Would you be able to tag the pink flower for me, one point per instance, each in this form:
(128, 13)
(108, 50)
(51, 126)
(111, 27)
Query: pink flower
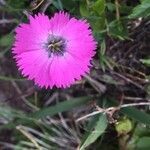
(54, 52)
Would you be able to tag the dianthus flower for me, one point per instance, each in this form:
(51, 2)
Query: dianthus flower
(54, 52)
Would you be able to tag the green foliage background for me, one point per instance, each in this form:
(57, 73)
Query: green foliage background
(44, 127)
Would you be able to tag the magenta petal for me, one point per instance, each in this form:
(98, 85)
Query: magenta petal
(49, 66)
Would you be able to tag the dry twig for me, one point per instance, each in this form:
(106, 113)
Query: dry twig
(99, 87)
(110, 109)
(46, 5)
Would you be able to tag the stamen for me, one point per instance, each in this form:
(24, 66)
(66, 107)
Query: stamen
(55, 45)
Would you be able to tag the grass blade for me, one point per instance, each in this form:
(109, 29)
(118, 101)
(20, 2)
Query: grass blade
(61, 107)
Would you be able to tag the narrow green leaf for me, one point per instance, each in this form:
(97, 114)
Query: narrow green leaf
(145, 61)
(143, 143)
(58, 4)
(61, 107)
(96, 128)
(53, 110)
(136, 114)
(117, 29)
(142, 10)
(84, 10)
(132, 112)
(99, 7)
(103, 47)
(97, 23)
(110, 6)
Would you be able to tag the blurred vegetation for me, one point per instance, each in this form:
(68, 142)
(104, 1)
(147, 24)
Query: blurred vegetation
(109, 109)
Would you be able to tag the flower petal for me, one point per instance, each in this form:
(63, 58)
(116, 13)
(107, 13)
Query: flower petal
(46, 70)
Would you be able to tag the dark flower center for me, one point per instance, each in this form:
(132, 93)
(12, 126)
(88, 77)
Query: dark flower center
(55, 45)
